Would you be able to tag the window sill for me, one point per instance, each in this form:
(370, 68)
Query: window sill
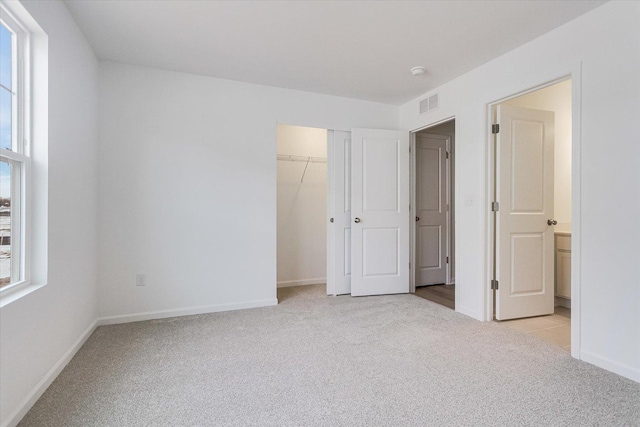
(14, 293)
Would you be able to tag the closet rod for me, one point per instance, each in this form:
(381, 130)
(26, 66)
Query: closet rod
(306, 159)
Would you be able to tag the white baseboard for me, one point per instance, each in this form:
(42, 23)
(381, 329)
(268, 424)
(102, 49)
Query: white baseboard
(289, 283)
(468, 312)
(151, 315)
(610, 365)
(33, 396)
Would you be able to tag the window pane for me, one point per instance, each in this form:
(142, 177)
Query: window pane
(5, 57)
(6, 86)
(5, 119)
(5, 224)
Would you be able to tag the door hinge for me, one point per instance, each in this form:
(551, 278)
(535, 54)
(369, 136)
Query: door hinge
(495, 206)
(495, 285)
(495, 128)
(447, 260)
(447, 154)
(409, 266)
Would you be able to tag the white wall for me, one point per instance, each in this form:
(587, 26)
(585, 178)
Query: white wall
(38, 331)
(188, 186)
(302, 207)
(556, 98)
(602, 48)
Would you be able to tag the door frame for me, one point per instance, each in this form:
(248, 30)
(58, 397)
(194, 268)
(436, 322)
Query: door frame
(451, 179)
(576, 94)
(450, 216)
(330, 200)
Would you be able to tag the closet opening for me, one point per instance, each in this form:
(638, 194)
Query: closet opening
(433, 231)
(301, 211)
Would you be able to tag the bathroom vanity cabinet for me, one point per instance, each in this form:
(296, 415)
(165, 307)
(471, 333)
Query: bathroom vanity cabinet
(563, 264)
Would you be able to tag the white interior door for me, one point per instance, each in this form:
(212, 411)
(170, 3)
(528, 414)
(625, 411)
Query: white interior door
(431, 209)
(339, 206)
(525, 193)
(379, 212)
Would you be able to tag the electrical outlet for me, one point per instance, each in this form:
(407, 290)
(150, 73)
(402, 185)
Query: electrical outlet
(141, 279)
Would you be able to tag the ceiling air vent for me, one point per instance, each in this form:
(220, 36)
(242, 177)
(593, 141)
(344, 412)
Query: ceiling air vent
(429, 104)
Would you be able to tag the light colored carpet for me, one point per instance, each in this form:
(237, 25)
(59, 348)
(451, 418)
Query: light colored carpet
(315, 360)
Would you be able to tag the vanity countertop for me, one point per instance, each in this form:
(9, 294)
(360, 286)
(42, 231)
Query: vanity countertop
(562, 229)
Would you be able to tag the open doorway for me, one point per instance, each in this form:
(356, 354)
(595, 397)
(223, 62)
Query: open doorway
(301, 210)
(533, 191)
(364, 188)
(433, 233)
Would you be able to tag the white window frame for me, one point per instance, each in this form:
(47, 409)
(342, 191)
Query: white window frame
(20, 177)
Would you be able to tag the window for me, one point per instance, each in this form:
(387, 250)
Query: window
(14, 152)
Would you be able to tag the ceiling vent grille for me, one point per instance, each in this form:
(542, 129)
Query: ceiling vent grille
(429, 104)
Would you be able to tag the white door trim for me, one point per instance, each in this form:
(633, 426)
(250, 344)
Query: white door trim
(574, 73)
(412, 213)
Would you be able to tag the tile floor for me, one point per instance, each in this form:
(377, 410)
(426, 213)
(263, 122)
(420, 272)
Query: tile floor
(555, 328)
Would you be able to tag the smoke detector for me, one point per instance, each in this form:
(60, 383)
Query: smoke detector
(418, 71)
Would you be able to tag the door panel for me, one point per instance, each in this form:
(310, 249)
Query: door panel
(380, 174)
(430, 175)
(431, 201)
(525, 250)
(339, 202)
(380, 254)
(380, 201)
(527, 263)
(429, 249)
(527, 161)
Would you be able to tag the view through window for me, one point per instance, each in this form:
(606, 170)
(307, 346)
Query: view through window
(6, 116)
(11, 161)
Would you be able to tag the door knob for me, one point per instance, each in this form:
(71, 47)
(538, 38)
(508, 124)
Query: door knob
(417, 218)
(330, 219)
(357, 220)
(551, 222)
